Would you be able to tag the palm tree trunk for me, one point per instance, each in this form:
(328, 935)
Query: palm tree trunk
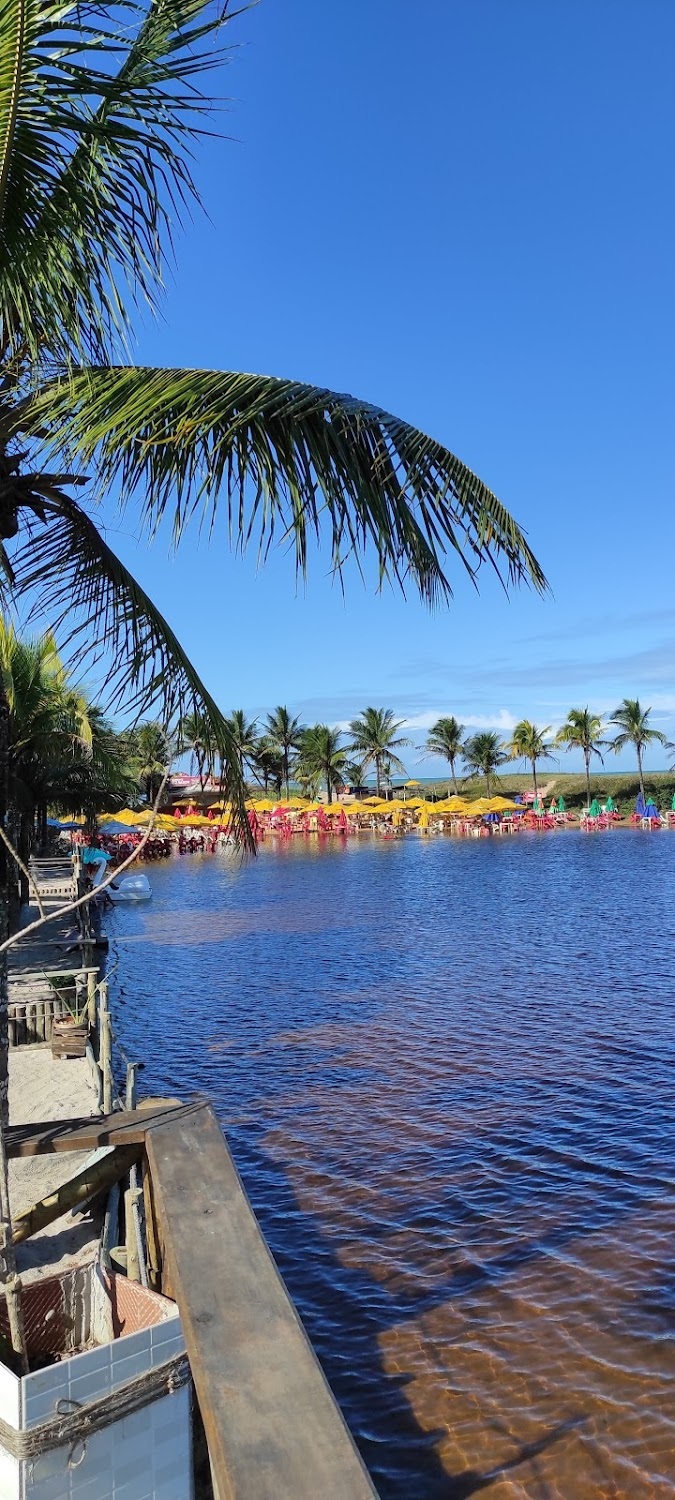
(642, 779)
(454, 778)
(377, 776)
(286, 772)
(329, 788)
(587, 758)
(534, 778)
(487, 782)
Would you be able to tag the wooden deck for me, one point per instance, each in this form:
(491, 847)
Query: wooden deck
(273, 1428)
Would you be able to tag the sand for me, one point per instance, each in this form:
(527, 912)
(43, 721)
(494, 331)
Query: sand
(41, 1088)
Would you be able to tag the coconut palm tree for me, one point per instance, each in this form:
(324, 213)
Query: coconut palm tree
(100, 109)
(194, 736)
(268, 766)
(583, 731)
(528, 742)
(243, 735)
(283, 733)
(483, 754)
(323, 756)
(446, 739)
(632, 722)
(153, 750)
(375, 739)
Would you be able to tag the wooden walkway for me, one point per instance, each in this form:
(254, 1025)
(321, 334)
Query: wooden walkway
(273, 1428)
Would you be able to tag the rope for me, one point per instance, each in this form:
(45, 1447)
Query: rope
(75, 1422)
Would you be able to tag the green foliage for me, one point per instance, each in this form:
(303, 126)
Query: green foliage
(323, 759)
(374, 741)
(483, 754)
(446, 738)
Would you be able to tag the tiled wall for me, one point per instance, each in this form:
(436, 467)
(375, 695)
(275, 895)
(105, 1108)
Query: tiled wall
(145, 1457)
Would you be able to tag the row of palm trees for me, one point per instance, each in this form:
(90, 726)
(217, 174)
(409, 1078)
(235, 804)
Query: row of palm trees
(484, 753)
(282, 749)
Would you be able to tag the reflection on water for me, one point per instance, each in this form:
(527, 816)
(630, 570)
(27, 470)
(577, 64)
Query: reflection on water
(446, 1072)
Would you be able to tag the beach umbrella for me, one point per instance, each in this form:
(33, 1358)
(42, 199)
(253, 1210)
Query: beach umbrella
(673, 803)
(195, 820)
(610, 805)
(503, 804)
(594, 809)
(412, 783)
(372, 801)
(640, 806)
(561, 804)
(652, 812)
(112, 829)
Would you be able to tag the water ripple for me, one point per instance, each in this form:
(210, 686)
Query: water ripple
(446, 1072)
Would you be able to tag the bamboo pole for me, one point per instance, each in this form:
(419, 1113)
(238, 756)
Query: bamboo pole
(105, 1044)
(88, 1183)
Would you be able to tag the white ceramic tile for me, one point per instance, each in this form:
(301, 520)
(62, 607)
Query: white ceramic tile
(10, 1480)
(165, 1333)
(132, 1343)
(41, 1393)
(10, 1397)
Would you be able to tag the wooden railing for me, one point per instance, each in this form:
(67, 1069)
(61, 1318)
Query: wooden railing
(273, 1428)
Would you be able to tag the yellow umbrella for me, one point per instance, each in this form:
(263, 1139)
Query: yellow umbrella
(261, 804)
(415, 802)
(479, 807)
(502, 804)
(413, 783)
(196, 820)
(127, 815)
(372, 801)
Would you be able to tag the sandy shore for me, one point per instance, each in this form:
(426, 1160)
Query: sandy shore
(41, 1088)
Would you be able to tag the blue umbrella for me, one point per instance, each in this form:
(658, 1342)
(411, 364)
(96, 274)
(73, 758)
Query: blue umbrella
(640, 806)
(113, 827)
(651, 810)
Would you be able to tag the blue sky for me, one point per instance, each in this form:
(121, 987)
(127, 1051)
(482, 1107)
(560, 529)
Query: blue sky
(465, 214)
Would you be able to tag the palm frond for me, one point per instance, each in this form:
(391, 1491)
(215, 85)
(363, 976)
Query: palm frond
(104, 616)
(290, 459)
(99, 105)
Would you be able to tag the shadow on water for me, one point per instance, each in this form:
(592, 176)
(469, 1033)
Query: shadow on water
(399, 1453)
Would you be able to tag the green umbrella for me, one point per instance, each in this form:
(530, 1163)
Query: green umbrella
(673, 802)
(610, 805)
(536, 805)
(561, 804)
(594, 809)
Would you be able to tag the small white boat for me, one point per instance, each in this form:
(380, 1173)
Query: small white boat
(127, 888)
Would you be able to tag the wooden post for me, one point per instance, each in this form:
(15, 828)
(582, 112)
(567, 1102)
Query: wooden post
(105, 1043)
(130, 1099)
(91, 999)
(151, 1236)
(131, 1233)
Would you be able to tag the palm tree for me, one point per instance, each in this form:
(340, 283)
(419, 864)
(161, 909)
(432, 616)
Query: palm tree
(483, 754)
(283, 734)
(243, 734)
(528, 742)
(632, 721)
(446, 739)
(268, 766)
(583, 731)
(193, 735)
(323, 757)
(95, 174)
(152, 749)
(375, 739)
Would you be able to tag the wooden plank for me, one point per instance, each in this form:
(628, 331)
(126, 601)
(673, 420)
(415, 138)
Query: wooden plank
(122, 1128)
(273, 1428)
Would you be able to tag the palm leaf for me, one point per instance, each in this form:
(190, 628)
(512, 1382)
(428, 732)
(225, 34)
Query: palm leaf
(98, 108)
(107, 618)
(290, 459)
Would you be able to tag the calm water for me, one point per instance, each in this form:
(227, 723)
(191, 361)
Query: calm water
(446, 1071)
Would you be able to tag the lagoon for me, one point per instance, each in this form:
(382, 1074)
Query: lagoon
(446, 1069)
